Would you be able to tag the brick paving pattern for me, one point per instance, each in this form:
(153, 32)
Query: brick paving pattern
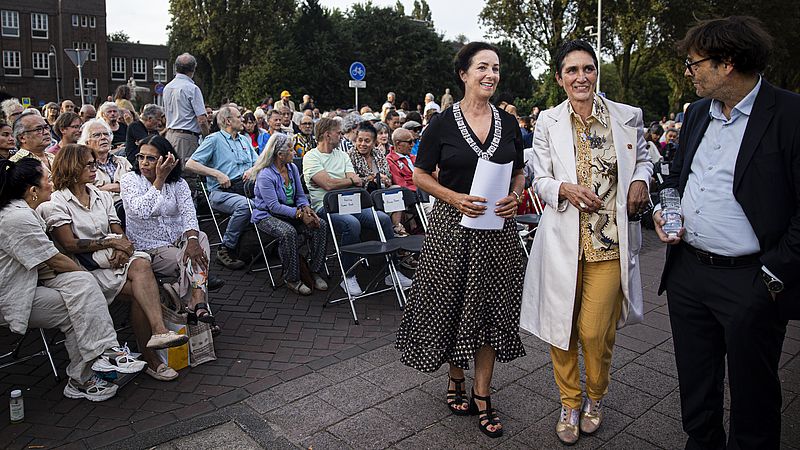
(293, 374)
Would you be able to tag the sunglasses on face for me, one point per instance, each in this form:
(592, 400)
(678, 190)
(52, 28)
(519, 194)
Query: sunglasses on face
(149, 158)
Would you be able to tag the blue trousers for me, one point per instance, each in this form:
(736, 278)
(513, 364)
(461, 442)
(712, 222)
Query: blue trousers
(236, 206)
(349, 227)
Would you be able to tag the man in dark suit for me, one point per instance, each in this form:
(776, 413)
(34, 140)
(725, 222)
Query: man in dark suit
(731, 273)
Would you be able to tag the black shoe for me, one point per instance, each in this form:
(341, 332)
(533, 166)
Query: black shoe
(226, 259)
(215, 283)
(486, 417)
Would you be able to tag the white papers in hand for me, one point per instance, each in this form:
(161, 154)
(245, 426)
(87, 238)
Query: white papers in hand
(350, 203)
(491, 182)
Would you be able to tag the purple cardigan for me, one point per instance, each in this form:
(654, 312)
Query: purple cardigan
(270, 199)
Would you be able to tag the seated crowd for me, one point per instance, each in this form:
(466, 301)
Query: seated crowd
(100, 208)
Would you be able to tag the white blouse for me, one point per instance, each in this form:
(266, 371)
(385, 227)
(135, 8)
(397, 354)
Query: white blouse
(156, 218)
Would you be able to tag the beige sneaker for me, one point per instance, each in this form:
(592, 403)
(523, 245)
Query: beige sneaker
(567, 426)
(591, 416)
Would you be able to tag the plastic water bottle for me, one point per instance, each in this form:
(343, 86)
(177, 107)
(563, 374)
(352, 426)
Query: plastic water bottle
(671, 211)
(16, 408)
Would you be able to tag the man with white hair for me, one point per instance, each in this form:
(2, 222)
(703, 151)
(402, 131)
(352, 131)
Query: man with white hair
(12, 108)
(87, 113)
(226, 159)
(430, 103)
(185, 108)
(109, 112)
(32, 134)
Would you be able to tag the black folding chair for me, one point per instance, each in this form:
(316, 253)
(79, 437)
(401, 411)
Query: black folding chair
(412, 243)
(14, 357)
(362, 250)
(249, 191)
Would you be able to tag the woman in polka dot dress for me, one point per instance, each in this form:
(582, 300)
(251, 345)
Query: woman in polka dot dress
(465, 301)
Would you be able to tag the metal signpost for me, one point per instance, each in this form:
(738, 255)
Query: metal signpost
(78, 57)
(357, 73)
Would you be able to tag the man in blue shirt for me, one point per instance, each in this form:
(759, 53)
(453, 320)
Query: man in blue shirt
(226, 159)
(731, 272)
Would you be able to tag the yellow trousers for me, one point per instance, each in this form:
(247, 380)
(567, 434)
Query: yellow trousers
(598, 302)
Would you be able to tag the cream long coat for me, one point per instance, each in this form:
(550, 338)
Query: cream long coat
(551, 277)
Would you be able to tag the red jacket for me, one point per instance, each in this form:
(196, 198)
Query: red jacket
(401, 172)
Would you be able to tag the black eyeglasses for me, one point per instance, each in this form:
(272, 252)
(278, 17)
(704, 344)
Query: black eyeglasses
(690, 64)
(41, 129)
(398, 141)
(91, 165)
(150, 158)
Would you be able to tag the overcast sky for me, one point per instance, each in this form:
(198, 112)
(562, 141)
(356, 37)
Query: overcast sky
(149, 24)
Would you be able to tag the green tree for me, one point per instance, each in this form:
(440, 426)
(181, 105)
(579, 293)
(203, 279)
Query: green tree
(119, 36)
(516, 80)
(224, 37)
(422, 11)
(400, 8)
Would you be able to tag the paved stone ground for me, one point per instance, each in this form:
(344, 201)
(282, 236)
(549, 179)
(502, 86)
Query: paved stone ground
(291, 373)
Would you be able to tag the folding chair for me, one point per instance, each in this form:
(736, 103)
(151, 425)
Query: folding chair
(13, 355)
(527, 224)
(213, 215)
(412, 243)
(249, 191)
(362, 250)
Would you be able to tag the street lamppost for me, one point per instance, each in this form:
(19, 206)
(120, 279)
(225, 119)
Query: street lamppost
(90, 89)
(54, 55)
(161, 74)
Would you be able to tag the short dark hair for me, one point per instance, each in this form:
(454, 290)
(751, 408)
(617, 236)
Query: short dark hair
(164, 148)
(16, 178)
(463, 58)
(413, 115)
(568, 47)
(69, 164)
(367, 128)
(64, 120)
(742, 40)
(391, 114)
(185, 64)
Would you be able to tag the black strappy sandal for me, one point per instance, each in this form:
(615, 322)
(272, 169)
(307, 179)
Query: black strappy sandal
(192, 318)
(457, 396)
(486, 417)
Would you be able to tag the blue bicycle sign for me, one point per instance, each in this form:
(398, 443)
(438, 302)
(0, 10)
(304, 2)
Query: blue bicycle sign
(357, 71)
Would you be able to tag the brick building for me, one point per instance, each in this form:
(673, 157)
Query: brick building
(34, 35)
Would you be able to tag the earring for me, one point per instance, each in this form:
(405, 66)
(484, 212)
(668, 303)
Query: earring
(35, 196)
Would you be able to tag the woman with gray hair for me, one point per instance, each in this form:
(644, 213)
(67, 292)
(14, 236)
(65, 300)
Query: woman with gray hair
(350, 124)
(96, 134)
(283, 211)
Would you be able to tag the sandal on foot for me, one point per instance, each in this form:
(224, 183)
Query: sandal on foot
(201, 313)
(457, 396)
(486, 417)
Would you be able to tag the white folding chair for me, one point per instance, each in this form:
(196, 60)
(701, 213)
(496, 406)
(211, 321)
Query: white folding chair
(213, 215)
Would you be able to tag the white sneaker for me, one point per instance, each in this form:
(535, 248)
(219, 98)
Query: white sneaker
(95, 390)
(352, 286)
(118, 359)
(405, 283)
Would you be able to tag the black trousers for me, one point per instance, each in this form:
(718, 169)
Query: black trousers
(718, 311)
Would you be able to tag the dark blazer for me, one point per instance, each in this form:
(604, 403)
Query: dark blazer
(766, 182)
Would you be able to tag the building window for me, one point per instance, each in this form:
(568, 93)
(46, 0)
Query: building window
(87, 89)
(160, 75)
(41, 65)
(39, 25)
(139, 69)
(92, 22)
(75, 19)
(10, 21)
(117, 68)
(11, 66)
(84, 21)
(93, 53)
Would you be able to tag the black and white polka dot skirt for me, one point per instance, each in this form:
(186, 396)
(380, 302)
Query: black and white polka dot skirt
(466, 294)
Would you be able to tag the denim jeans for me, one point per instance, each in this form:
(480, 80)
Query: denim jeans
(236, 206)
(349, 227)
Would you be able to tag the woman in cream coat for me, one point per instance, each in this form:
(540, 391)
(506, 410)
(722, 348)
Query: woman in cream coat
(584, 147)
